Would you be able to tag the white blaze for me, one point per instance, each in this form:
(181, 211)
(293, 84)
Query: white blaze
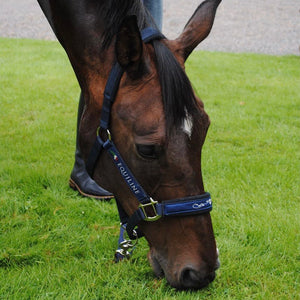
(188, 125)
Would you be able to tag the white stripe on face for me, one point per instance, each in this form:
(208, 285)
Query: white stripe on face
(188, 125)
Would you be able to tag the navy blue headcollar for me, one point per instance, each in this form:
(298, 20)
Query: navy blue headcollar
(149, 210)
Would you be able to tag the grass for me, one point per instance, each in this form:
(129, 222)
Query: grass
(56, 245)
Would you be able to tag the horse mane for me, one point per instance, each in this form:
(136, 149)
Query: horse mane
(177, 93)
(113, 12)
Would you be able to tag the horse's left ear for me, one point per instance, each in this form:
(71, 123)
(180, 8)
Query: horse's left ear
(197, 28)
(129, 45)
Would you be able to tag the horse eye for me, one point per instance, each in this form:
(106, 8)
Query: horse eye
(148, 151)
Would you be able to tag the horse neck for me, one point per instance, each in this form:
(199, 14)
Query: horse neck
(86, 28)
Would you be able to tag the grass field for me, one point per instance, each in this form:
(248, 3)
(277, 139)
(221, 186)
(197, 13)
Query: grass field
(55, 244)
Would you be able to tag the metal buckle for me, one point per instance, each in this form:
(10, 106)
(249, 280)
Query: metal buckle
(151, 204)
(127, 245)
(125, 248)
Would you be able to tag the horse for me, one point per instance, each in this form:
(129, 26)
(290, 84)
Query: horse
(156, 122)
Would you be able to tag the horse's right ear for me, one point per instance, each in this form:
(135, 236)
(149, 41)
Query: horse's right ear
(129, 45)
(197, 28)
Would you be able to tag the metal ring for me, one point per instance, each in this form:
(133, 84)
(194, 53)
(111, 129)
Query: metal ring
(108, 134)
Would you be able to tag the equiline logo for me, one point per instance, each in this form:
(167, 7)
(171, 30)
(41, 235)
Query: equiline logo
(128, 178)
(114, 155)
(201, 205)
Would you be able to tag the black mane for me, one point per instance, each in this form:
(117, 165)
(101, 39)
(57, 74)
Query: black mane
(113, 12)
(177, 93)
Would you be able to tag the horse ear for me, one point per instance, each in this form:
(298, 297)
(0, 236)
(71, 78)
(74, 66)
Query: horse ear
(197, 28)
(129, 45)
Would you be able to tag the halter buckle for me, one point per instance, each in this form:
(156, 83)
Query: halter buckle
(151, 204)
(126, 246)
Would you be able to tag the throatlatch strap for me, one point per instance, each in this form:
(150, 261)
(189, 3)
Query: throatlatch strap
(94, 155)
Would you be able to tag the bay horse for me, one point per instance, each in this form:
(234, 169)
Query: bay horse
(155, 126)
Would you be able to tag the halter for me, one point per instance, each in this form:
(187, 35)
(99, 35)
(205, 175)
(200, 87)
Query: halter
(149, 210)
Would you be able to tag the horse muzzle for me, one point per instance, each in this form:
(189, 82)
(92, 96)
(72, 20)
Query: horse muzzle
(190, 276)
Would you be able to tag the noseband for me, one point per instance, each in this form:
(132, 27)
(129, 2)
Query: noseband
(149, 210)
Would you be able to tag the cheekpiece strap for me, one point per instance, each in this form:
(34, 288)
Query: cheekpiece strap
(109, 95)
(111, 89)
(148, 34)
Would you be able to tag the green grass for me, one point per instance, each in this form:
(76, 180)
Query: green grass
(57, 245)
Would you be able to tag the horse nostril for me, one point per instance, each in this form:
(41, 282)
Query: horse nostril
(192, 279)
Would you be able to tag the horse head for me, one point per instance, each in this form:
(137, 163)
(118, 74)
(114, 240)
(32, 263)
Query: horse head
(159, 126)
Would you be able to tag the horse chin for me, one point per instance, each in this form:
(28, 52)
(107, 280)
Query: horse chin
(157, 269)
